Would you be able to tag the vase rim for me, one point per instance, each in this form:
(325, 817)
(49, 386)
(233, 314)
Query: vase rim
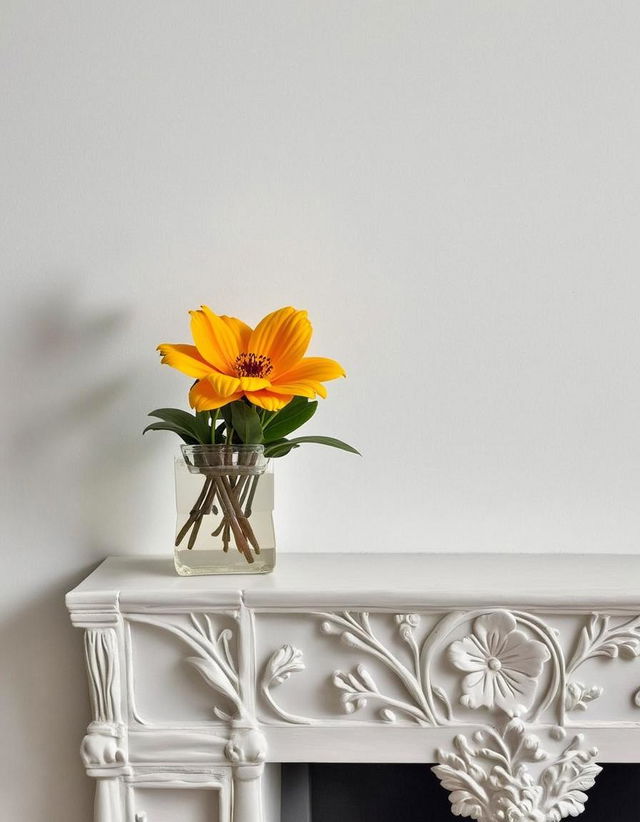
(221, 446)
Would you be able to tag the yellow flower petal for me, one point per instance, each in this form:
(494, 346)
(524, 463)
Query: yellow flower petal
(253, 383)
(223, 385)
(314, 368)
(185, 358)
(283, 336)
(300, 388)
(203, 397)
(270, 402)
(240, 330)
(214, 339)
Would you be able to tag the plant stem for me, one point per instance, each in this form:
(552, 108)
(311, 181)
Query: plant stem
(243, 522)
(214, 420)
(193, 514)
(223, 487)
(252, 493)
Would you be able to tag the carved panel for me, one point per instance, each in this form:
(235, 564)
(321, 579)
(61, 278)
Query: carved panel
(209, 690)
(429, 669)
(195, 654)
(504, 671)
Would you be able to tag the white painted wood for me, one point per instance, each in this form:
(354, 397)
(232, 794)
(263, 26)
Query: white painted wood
(383, 580)
(514, 673)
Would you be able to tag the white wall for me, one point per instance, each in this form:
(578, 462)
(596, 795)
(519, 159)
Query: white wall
(450, 188)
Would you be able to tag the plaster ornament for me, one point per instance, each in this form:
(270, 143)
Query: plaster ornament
(502, 664)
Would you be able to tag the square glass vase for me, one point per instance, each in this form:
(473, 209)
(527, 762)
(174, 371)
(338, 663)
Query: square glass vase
(224, 502)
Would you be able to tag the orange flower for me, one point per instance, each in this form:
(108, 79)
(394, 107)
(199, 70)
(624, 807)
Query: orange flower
(266, 365)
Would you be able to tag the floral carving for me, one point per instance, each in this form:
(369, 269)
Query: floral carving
(491, 780)
(280, 665)
(354, 630)
(213, 660)
(600, 638)
(502, 664)
(578, 695)
(501, 661)
(359, 687)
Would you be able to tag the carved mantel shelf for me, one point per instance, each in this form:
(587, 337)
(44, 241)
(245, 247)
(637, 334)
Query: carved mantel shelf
(516, 674)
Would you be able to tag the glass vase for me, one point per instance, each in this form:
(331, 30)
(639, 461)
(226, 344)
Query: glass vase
(224, 501)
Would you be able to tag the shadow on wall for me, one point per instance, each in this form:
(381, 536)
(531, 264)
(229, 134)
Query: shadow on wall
(45, 709)
(66, 453)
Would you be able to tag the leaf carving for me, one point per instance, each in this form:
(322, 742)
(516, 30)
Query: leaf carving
(354, 630)
(491, 781)
(578, 695)
(214, 676)
(599, 638)
(282, 663)
(214, 661)
(564, 783)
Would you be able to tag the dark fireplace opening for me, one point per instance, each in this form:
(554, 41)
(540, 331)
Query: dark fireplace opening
(411, 793)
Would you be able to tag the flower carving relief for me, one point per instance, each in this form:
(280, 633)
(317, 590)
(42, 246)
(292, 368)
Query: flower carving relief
(602, 636)
(213, 660)
(502, 664)
(496, 777)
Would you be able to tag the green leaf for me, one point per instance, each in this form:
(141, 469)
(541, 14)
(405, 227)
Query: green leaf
(185, 435)
(279, 449)
(246, 422)
(201, 426)
(292, 416)
(332, 441)
(183, 419)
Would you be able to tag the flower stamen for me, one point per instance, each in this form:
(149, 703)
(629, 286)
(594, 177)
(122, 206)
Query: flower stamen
(253, 365)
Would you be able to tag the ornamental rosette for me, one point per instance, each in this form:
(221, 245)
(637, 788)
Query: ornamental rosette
(501, 663)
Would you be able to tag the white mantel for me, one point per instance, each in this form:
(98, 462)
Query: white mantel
(198, 682)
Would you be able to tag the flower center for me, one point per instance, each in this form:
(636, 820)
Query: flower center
(253, 365)
(494, 664)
